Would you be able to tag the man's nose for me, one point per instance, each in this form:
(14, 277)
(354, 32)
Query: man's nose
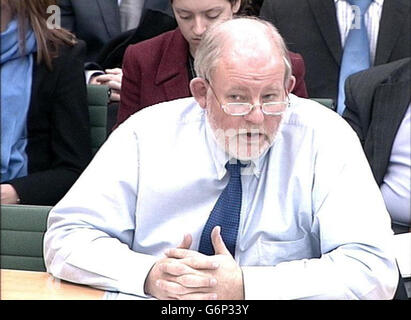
(256, 116)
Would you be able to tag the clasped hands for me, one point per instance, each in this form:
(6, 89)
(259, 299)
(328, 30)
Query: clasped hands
(112, 78)
(186, 274)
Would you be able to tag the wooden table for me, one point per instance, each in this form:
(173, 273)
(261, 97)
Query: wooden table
(31, 285)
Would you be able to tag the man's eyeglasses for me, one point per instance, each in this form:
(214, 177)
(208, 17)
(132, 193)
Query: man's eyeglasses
(272, 108)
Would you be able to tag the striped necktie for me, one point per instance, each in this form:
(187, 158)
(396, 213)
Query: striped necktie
(356, 54)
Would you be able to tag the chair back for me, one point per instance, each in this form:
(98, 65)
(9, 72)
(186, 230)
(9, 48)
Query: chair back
(329, 103)
(22, 231)
(97, 99)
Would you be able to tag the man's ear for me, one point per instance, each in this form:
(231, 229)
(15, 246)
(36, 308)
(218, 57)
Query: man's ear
(198, 87)
(290, 84)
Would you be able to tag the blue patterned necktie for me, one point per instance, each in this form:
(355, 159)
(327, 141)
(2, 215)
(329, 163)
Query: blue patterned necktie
(226, 213)
(356, 55)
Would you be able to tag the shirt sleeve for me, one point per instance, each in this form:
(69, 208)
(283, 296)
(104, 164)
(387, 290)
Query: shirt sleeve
(90, 232)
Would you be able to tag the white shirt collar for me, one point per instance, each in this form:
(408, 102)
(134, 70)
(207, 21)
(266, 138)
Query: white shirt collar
(379, 2)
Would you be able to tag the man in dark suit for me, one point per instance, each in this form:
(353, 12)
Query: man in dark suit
(98, 21)
(378, 103)
(311, 28)
(153, 23)
(378, 107)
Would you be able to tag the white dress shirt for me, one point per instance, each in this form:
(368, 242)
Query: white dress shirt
(345, 16)
(313, 223)
(130, 13)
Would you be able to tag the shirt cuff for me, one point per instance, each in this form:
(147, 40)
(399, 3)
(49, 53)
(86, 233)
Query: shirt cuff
(90, 73)
(134, 277)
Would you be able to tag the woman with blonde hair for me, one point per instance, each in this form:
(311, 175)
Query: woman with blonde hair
(45, 132)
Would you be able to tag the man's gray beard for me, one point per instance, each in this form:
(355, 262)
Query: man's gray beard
(229, 142)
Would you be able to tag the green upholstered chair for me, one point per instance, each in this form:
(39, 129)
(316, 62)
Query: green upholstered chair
(97, 99)
(329, 103)
(22, 230)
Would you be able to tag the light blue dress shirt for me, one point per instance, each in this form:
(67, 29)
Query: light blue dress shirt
(313, 223)
(396, 186)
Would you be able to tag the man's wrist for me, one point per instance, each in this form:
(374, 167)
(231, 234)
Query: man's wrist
(91, 74)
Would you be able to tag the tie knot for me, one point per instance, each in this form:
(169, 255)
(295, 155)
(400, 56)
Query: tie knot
(361, 4)
(234, 168)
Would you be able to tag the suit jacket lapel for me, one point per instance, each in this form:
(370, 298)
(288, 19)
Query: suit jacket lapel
(111, 16)
(390, 103)
(326, 17)
(391, 25)
(172, 70)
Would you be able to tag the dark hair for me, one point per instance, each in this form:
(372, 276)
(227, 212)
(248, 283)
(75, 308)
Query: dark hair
(233, 2)
(247, 7)
(250, 7)
(34, 13)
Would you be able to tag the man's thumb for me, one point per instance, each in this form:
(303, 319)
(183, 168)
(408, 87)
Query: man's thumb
(186, 243)
(217, 241)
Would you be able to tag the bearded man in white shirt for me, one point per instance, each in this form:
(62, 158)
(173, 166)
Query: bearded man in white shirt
(303, 227)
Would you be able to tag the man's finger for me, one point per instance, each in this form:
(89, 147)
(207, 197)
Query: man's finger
(104, 77)
(187, 241)
(114, 71)
(180, 253)
(201, 263)
(174, 290)
(193, 259)
(199, 296)
(175, 268)
(196, 281)
(115, 97)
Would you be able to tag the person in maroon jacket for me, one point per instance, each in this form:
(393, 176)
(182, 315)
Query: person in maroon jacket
(160, 69)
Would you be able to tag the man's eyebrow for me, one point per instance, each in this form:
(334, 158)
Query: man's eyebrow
(237, 88)
(273, 89)
(244, 87)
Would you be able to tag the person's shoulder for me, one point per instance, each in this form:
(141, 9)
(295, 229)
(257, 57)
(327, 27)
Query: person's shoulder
(155, 43)
(70, 56)
(383, 71)
(297, 60)
(310, 122)
(314, 116)
(361, 85)
(77, 49)
(166, 47)
(168, 114)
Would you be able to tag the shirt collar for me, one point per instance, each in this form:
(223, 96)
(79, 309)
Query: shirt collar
(379, 2)
(220, 157)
